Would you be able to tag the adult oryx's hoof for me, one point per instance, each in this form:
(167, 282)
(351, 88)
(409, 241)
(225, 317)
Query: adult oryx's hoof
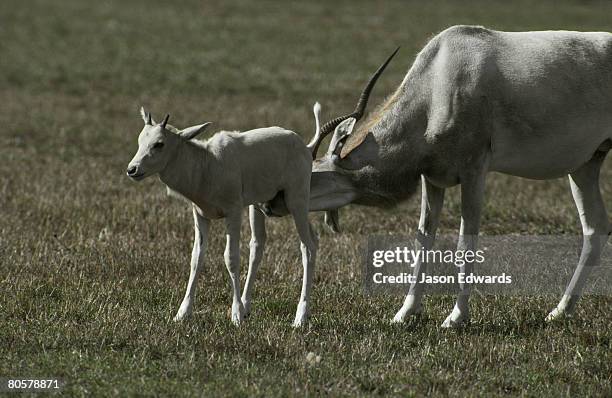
(557, 315)
(456, 319)
(184, 312)
(401, 315)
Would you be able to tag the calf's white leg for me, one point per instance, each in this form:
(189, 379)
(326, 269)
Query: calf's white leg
(257, 222)
(472, 195)
(200, 225)
(298, 207)
(584, 183)
(432, 199)
(232, 262)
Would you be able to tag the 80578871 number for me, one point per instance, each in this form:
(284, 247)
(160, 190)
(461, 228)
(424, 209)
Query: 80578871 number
(30, 384)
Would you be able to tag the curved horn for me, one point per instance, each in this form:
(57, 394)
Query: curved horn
(163, 123)
(365, 94)
(359, 109)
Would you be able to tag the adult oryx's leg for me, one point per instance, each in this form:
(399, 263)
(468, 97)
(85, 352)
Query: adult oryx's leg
(298, 207)
(432, 199)
(232, 262)
(595, 228)
(200, 225)
(256, 247)
(472, 194)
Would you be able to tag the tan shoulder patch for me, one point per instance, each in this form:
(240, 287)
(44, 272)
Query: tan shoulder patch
(357, 138)
(353, 142)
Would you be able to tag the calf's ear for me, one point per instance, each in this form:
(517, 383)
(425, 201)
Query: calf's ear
(193, 131)
(146, 116)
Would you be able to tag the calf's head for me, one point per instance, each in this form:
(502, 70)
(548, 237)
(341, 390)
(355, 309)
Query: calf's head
(157, 145)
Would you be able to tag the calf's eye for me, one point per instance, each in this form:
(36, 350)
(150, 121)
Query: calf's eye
(158, 145)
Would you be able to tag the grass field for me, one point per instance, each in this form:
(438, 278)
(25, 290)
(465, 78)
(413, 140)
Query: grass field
(94, 266)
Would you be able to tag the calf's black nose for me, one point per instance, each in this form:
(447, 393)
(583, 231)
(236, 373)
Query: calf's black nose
(131, 170)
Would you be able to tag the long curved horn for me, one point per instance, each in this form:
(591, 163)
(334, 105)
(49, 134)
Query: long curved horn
(365, 95)
(359, 109)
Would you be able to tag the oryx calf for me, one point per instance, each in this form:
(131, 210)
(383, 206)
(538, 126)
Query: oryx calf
(220, 177)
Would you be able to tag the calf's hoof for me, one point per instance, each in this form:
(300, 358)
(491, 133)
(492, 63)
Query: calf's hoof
(238, 313)
(301, 315)
(247, 307)
(298, 323)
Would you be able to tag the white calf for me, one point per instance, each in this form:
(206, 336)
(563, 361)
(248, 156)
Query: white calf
(220, 177)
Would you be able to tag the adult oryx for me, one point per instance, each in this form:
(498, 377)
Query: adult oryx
(531, 104)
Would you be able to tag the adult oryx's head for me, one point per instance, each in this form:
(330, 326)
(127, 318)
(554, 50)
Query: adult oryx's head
(331, 183)
(157, 145)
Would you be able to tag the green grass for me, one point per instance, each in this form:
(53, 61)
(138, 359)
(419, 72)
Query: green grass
(93, 266)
